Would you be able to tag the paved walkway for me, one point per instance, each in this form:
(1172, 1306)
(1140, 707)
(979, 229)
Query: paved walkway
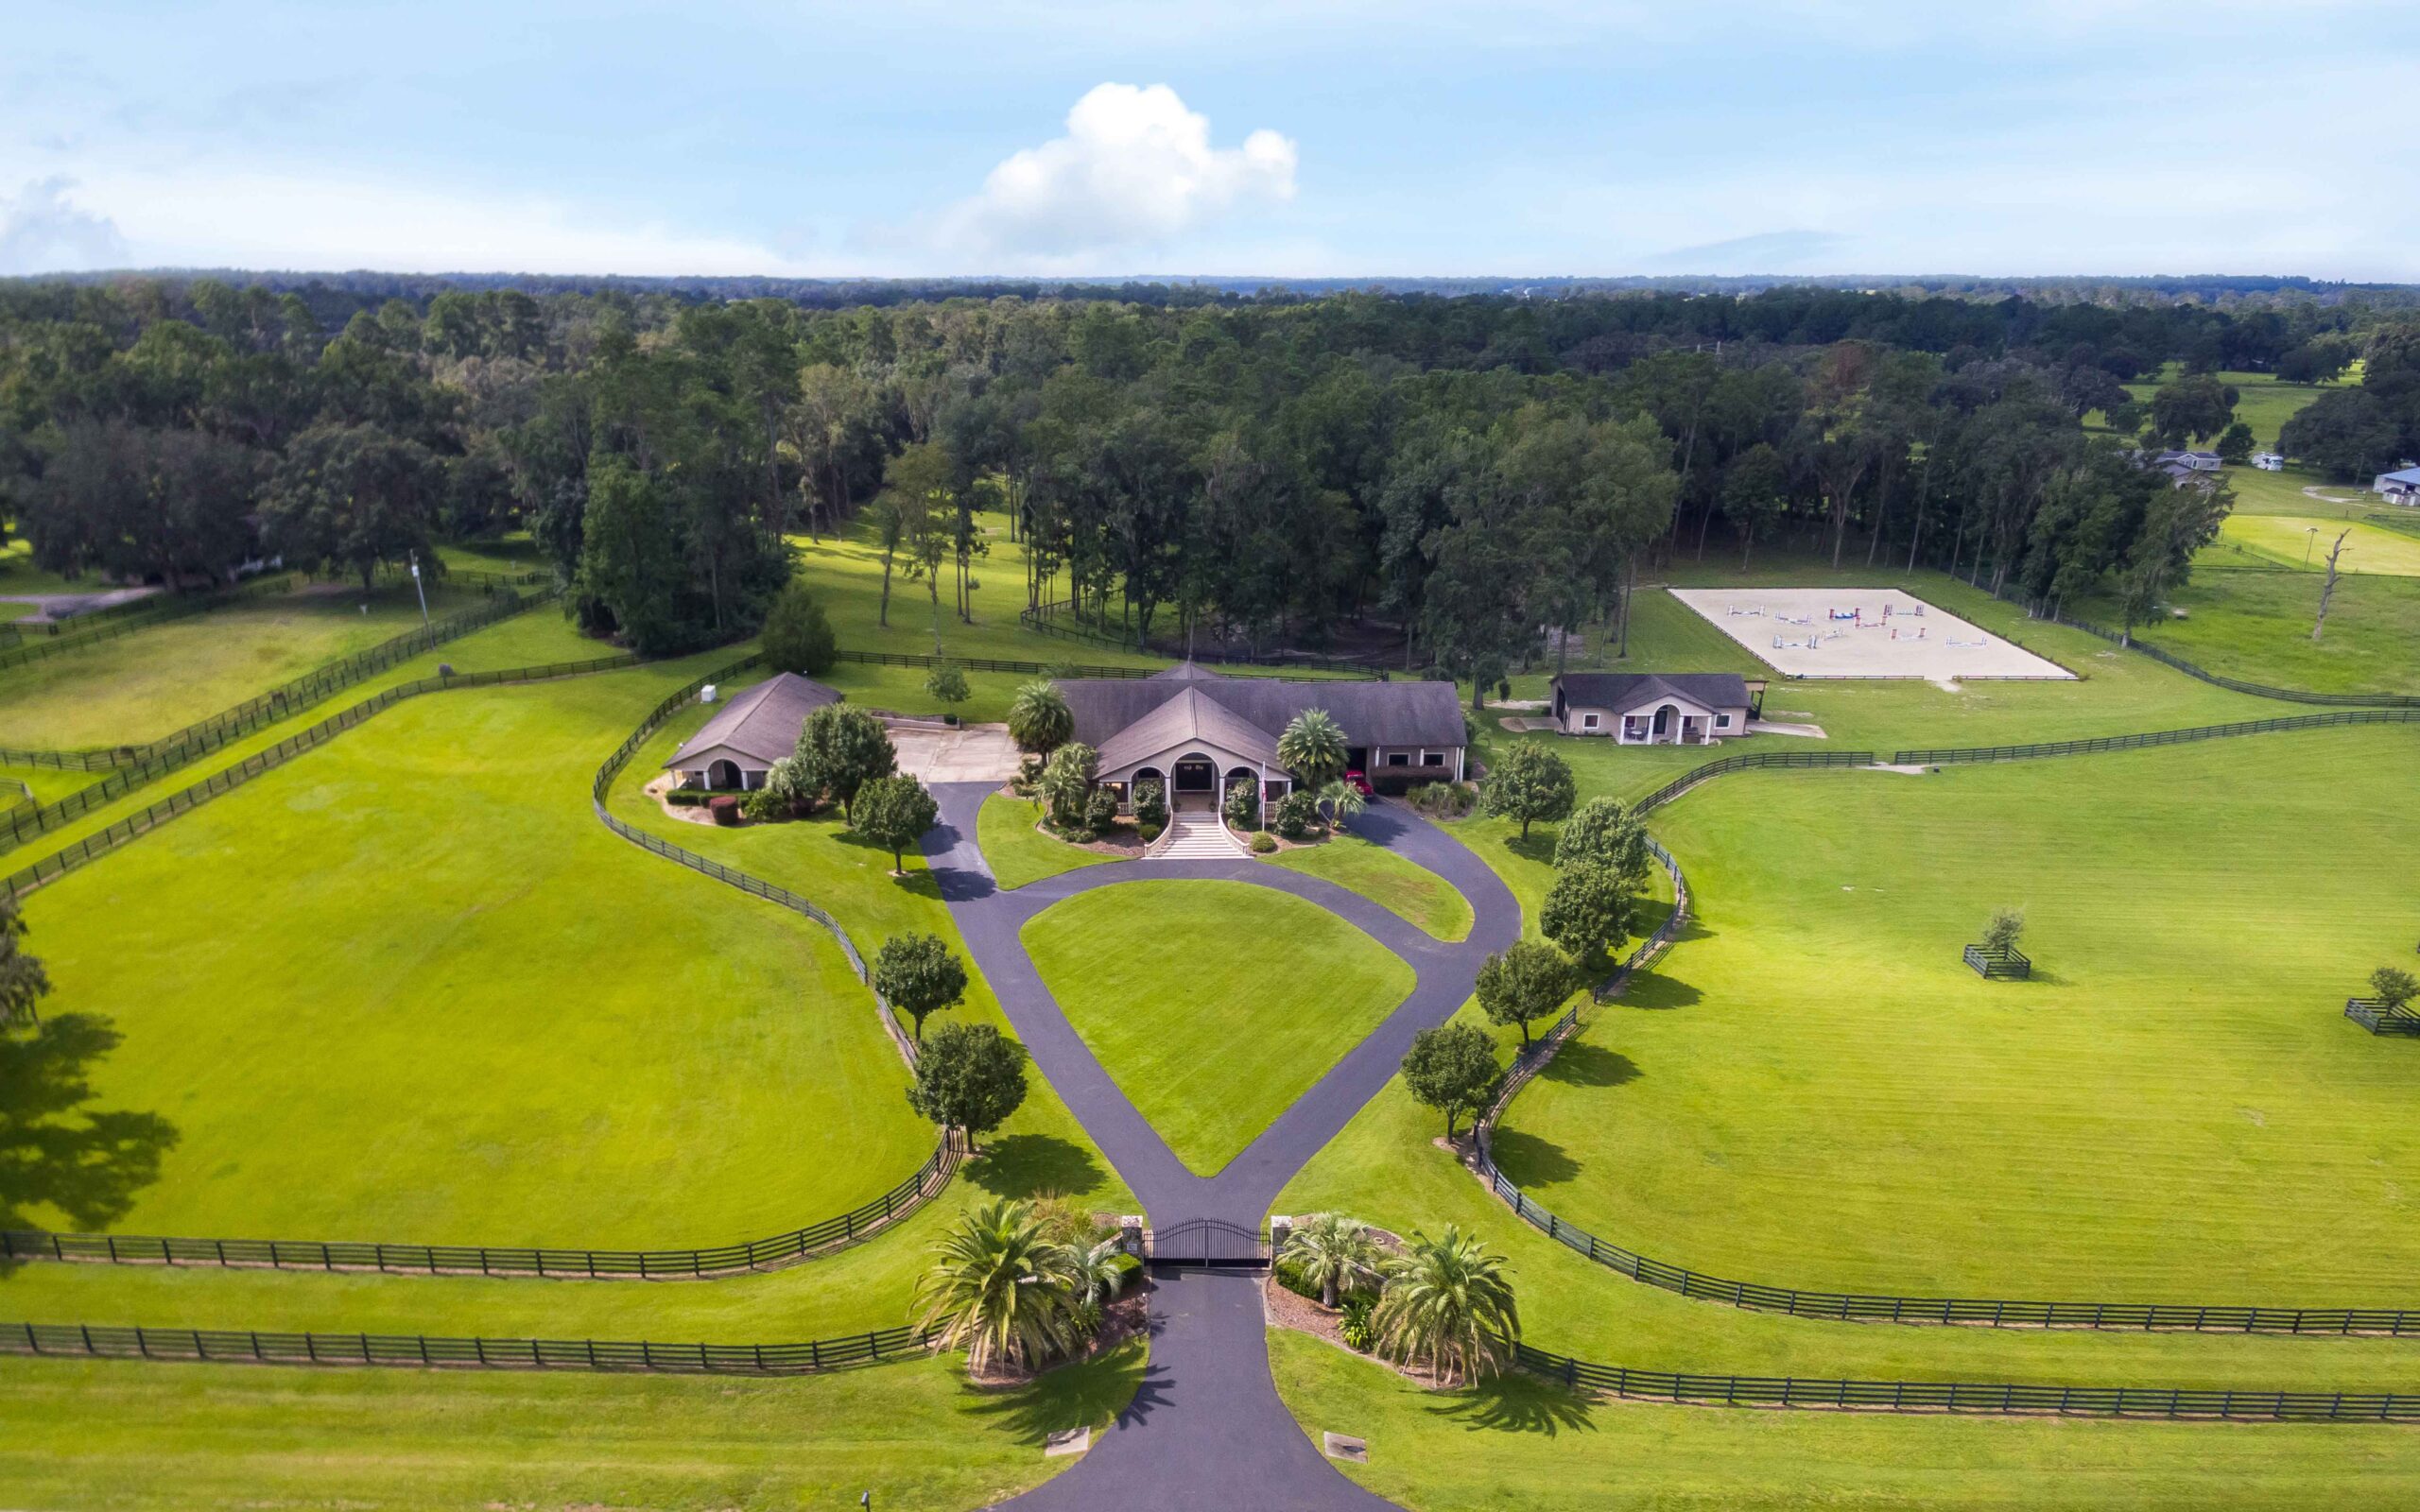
(1208, 1429)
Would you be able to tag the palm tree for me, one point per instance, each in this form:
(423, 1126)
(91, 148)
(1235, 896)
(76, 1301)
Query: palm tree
(1332, 1252)
(1002, 1289)
(1447, 1303)
(1313, 748)
(1343, 800)
(1038, 718)
(1097, 1272)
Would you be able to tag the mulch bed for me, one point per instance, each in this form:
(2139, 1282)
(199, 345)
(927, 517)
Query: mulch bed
(1123, 1320)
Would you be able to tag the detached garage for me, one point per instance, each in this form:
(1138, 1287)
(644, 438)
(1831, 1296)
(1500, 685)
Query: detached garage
(740, 744)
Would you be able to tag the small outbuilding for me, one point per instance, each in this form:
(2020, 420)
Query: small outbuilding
(2400, 487)
(2269, 461)
(734, 749)
(1652, 708)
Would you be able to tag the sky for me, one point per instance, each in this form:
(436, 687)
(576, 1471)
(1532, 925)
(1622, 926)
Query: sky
(1135, 137)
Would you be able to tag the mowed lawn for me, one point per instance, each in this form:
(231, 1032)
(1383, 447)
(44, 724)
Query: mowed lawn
(153, 682)
(408, 987)
(1522, 1442)
(917, 1436)
(2303, 541)
(1412, 893)
(1812, 1089)
(1213, 1004)
(1017, 851)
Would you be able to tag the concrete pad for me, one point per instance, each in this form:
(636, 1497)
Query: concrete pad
(1341, 1447)
(1073, 1442)
(1913, 640)
(971, 753)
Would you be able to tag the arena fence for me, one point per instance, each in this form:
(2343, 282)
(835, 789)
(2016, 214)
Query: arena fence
(1946, 1396)
(772, 1253)
(231, 1345)
(132, 766)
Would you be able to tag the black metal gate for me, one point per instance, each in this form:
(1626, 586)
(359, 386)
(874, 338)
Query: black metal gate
(1208, 1243)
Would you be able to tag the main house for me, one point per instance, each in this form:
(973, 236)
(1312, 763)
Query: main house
(740, 744)
(1652, 708)
(1198, 733)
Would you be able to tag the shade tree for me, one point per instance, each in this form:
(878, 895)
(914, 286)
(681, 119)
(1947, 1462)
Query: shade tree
(969, 1078)
(1452, 1069)
(919, 976)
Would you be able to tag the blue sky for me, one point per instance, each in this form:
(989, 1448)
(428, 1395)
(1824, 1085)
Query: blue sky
(1523, 137)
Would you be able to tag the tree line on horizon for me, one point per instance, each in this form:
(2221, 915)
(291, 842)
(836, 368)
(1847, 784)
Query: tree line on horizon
(1473, 471)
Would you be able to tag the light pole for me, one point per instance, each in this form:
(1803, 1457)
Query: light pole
(418, 587)
(2310, 539)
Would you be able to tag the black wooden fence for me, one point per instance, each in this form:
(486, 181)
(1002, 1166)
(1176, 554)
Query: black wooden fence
(2374, 1015)
(132, 766)
(1756, 761)
(2258, 690)
(74, 634)
(481, 1260)
(2164, 737)
(241, 1347)
(1998, 961)
(99, 842)
(1946, 1396)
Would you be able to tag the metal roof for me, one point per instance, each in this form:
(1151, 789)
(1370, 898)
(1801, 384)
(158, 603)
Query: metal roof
(763, 722)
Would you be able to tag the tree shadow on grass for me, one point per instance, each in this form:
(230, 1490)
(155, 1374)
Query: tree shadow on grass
(1539, 847)
(1653, 990)
(1586, 1064)
(56, 1151)
(1118, 1383)
(1026, 1165)
(1517, 1403)
(1530, 1161)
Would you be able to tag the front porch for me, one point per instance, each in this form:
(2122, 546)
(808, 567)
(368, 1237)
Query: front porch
(1667, 724)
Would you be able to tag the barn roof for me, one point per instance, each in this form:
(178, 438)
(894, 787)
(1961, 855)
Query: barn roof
(1371, 713)
(761, 722)
(1628, 689)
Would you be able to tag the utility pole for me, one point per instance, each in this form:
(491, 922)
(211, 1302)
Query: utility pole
(418, 587)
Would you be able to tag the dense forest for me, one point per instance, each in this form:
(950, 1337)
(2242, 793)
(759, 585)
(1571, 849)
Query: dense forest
(1466, 472)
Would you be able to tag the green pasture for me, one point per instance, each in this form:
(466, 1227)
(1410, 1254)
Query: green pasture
(1412, 893)
(110, 1435)
(408, 987)
(2256, 625)
(1213, 1004)
(2264, 401)
(1386, 1168)
(1813, 1090)
(2297, 490)
(141, 686)
(1017, 851)
(2303, 542)
(1518, 1441)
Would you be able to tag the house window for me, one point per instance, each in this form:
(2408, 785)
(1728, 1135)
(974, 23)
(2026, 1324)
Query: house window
(1432, 758)
(1722, 721)
(1398, 758)
(1587, 721)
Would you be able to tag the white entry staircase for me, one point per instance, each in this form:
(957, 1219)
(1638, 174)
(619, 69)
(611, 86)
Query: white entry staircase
(1198, 835)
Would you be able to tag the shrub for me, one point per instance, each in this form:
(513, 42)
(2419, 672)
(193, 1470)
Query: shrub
(1442, 800)
(948, 684)
(764, 806)
(1243, 803)
(1357, 1332)
(1295, 816)
(1066, 784)
(1263, 843)
(688, 797)
(1150, 832)
(724, 807)
(1100, 810)
(1028, 775)
(1150, 805)
(797, 637)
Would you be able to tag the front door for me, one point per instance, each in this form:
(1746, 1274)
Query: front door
(1196, 775)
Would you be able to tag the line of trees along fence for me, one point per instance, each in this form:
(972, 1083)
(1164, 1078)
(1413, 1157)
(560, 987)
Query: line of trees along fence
(482, 1260)
(755, 886)
(982, 663)
(61, 636)
(232, 1346)
(1043, 620)
(132, 766)
(99, 842)
(1946, 1396)
(2036, 610)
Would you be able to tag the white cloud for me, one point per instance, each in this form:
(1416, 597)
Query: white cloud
(41, 232)
(1135, 170)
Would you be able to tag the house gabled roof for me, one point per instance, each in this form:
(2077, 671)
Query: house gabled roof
(1628, 689)
(761, 723)
(1188, 718)
(1186, 671)
(1371, 713)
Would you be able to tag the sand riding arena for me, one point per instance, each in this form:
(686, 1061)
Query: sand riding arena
(1862, 632)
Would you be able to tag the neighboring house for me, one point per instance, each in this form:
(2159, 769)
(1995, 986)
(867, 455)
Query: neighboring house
(2401, 487)
(740, 744)
(2269, 461)
(1197, 732)
(2192, 461)
(1652, 708)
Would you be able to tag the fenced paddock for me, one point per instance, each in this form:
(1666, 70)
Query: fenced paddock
(1863, 632)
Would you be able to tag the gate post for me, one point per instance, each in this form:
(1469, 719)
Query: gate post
(1130, 1234)
(1280, 1226)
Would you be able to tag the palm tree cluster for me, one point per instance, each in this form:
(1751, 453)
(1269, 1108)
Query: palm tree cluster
(1018, 1284)
(1444, 1303)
